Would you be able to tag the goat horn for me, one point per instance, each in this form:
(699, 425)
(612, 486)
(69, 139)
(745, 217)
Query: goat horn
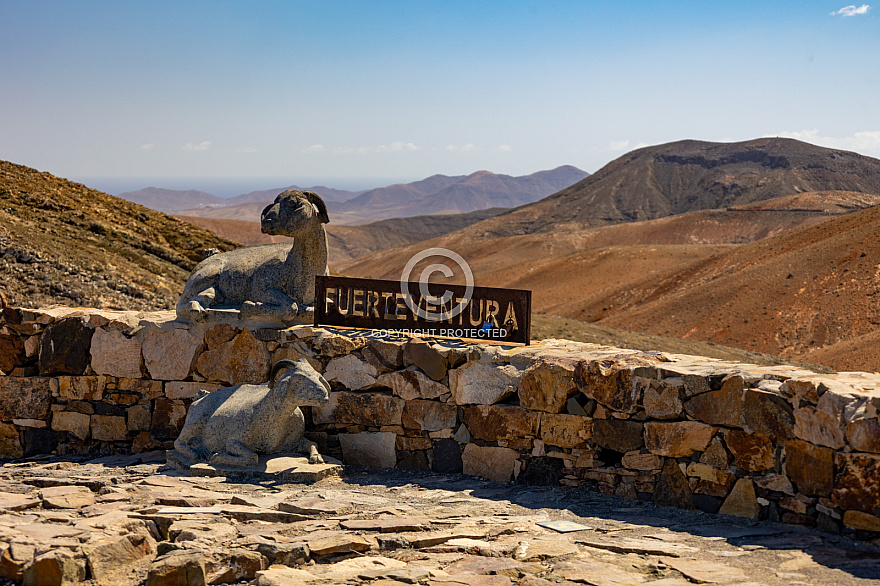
(278, 366)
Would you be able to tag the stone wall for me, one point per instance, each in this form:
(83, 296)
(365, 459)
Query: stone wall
(773, 443)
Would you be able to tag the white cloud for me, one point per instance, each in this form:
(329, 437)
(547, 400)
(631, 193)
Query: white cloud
(202, 146)
(469, 147)
(852, 10)
(395, 147)
(315, 148)
(148, 146)
(866, 142)
(505, 148)
(618, 145)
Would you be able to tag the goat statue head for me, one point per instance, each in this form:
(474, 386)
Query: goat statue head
(292, 212)
(299, 382)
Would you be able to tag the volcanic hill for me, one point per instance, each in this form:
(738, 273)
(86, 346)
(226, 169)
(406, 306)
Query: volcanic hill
(64, 243)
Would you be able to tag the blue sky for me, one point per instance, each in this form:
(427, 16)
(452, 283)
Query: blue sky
(371, 91)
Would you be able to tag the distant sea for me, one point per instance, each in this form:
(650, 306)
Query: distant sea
(232, 186)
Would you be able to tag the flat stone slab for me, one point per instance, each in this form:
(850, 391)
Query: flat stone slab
(277, 467)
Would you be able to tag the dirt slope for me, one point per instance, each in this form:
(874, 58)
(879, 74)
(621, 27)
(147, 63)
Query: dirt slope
(61, 242)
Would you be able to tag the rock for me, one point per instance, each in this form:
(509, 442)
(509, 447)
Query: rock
(330, 344)
(742, 501)
(635, 460)
(231, 566)
(489, 462)
(368, 409)
(170, 355)
(242, 360)
(494, 422)
(864, 435)
(862, 521)
(387, 524)
(316, 506)
(610, 382)
(412, 384)
(38, 441)
(765, 412)
(446, 457)
(65, 345)
(752, 452)
(342, 543)
(78, 424)
(10, 442)
(168, 418)
(483, 384)
(565, 431)
(57, 567)
(108, 428)
(638, 546)
(288, 554)
(722, 407)
(429, 415)
(595, 572)
(67, 497)
(716, 455)
(80, 388)
(858, 483)
(115, 560)
(283, 576)
(672, 488)
(775, 482)
(424, 356)
(138, 418)
(662, 400)
(12, 353)
(384, 355)
(179, 568)
(818, 427)
(541, 471)
(187, 390)
(24, 398)
(677, 439)
(709, 474)
(705, 572)
(17, 502)
(800, 391)
(219, 334)
(547, 385)
(618, 434)
(114, 354)
(810, 467)
(372, 449)
(351, 372)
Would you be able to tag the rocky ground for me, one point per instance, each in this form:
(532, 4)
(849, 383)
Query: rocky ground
(129, 520)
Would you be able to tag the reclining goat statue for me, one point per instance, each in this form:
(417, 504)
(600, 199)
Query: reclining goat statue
(272, 282)
(231, 426)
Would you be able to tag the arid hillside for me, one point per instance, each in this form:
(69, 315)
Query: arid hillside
(702, 276)
(63, 243)
(687, 176)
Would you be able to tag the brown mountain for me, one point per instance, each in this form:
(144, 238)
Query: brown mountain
(691, 175)
(443, 195)
(61, 242)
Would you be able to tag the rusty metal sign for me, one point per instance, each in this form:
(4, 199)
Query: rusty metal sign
(412, 308)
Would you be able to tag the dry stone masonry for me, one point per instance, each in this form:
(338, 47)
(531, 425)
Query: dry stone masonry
(765, 443)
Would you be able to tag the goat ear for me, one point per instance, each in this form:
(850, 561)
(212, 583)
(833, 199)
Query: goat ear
(316, 200)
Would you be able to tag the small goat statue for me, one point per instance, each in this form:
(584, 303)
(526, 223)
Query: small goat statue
(274, 282)
(231, 426)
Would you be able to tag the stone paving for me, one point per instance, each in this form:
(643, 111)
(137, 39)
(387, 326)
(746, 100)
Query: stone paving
(131, 520)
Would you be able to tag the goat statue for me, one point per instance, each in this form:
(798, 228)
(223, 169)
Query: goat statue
(271, 282)
(231, 426)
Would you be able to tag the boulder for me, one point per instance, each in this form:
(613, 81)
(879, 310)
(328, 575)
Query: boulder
(721, 407)
(178, 568)
(412, 384)
(426, 357)
(372, 449)
(619, 435)
(57, 567)
(858, 483)
(168, 418)
(10, 442)
(373, 409)
(169, 355)
(500, 422)
(82, 388)
(114, 354)
(243, 359)
(818, 427)
(24, 398)
(489, 462)
(677, 439)
(610, 382)
(672, 488)
(351, 372)
(752, 452)
(766, 412)
(65, 346)
(864, 435)
(429, 415)
(662, 400)
(565, 431)
(635, 460)
(742, 501)
(810, 467)
(108, 428)
(547, 385)
(483, 384)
